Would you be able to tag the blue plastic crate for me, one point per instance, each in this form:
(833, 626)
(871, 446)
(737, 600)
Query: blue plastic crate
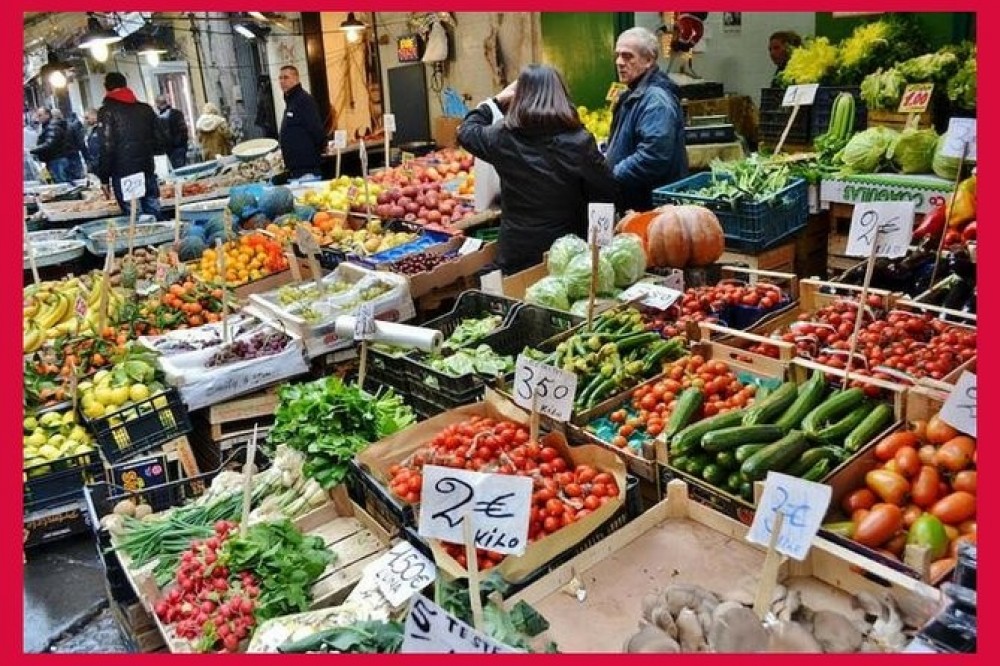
(748, 226)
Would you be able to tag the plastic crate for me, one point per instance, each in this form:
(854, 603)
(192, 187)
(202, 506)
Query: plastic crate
(749, 226)
(822, 109)
(772, 124)
(631, 509)
(377, 501)
(709, 134)
(474, 304)
(60, 481)
(150, 423)
(426, 240)
(388, 370)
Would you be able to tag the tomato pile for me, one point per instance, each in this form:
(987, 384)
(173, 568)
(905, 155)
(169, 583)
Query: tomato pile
(652, 404)
(916, 344)
(562, 493)
(922, 492)
(184, 304)
(729, 300)
(206, 606)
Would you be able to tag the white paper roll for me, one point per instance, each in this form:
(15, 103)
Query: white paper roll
(400, 335)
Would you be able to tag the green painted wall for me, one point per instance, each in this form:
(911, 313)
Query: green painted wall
(939, 28)
(581, 46)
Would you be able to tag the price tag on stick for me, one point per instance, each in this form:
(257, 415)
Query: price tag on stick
(470, 245)
(553, 389)
(916, 97)
(492, 283)
(959, 410)
(339, 144)
(882, 229)
(178, 191)
(499, 505)
(795, 97)
(601, 228)
(364, 322)
(310, 247)
(402, 573)
(960, 141)
(133, 186)
(651, 295)
(802, 504)
(429, 629)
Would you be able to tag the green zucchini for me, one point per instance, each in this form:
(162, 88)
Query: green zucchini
(689, 439)
(837, 432)
(687, 406)
(775, 457)
(714, 475)
(733, 483)
(876, 421)
(678, 462)
(771, 407)
(809, 398)
(697, 464)
(729, 438)
(808, 459)
(746, 450)
(817, 471)
(726, 460)
(746, 491)
(835, 407)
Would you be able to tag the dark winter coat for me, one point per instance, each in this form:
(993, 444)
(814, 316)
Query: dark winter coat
(646, 148)
(546, 181)
(54, 141)
(131, 135)
(302, 136)
(174, 128)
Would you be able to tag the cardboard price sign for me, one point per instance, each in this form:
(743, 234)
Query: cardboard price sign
(364, 322)
(884, 227)
(916, 97)
(651, 295)
(133, 186)
(554, 389)
(602, 223)
(402, 573)
(959, 410)
(470, 245)
(390, 122)
(492, 283)
(430, 629)
(802, 504)
(305, 240)
(802, 95)
(960, 141)
(498, 505)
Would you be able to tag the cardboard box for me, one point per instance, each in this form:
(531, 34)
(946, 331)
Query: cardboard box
(446, 131)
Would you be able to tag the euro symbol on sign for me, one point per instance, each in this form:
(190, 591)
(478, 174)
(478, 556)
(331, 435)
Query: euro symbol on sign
(494, 507)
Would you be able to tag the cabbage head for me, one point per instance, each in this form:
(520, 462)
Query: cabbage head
(578, 274)
(943, 165)
(627, 258)
(914, 151)
(580, 307)
(563, 250)
(865, 151)
(549, 292)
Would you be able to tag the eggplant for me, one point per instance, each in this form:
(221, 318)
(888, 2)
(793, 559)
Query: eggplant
(958, 295)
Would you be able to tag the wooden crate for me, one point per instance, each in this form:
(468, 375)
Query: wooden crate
(812, 247)
(680, 540)
(238, 416)
(781, 258)
(896, 121)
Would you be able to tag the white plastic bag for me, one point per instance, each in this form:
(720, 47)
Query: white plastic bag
(487, 189)
(437, 45)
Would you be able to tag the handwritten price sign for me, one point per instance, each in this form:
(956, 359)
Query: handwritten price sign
(403, 572)
(364, 322)
(960, 141)
(651, 295)
(340, 139)
(960, 408)
(602, 223)
(553, 388)
(134, 186)
(888, 226)
(916, 97)
(802, 95)
(498, 505)
(430, 629)
(803, 504)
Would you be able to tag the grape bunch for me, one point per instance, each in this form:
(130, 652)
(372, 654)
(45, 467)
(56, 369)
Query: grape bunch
(257, 346)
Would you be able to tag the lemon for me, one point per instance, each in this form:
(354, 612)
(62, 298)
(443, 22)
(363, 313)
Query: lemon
(87, 400)
(69, 418)
(30, 423)
(105, 396)
(101, 375)
(50, 419)
(83, 387)
(120, 395)
(30, 452)
(78, 434)
(56, 440)
(94, 411)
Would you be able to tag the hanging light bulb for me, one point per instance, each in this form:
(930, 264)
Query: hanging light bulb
(353, 36)
(100, 52)
(151, 50)
(57, 79)
(353, 28)
(153, 59)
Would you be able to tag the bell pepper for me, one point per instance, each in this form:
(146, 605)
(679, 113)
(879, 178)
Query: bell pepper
(932, 224)
(962, 205)
(969, 232)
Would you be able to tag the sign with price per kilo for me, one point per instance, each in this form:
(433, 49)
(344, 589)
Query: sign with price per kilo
(803, 505)
(402, 573)
(959, 410)
(553, 388)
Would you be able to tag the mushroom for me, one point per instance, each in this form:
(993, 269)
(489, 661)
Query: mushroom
(736, 628)
(787, 636)
(689, 631)
(651, 639)
(835, 632)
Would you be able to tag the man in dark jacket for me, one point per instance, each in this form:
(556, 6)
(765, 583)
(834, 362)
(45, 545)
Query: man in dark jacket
(646, 147)
(302, 136)
(176, 131)
(130, 137)
(91, 140)
(53, 145)
(74, 144)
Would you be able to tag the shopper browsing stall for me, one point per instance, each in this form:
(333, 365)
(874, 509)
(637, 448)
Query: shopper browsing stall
(302, 135)
(549, 166)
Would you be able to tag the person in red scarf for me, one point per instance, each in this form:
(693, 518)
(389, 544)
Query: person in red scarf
(130, 136)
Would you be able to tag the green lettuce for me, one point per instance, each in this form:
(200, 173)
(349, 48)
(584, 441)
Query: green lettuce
(563, 251)
(914, 151)
(866, 150)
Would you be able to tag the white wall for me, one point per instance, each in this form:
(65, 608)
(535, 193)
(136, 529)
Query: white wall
(738, 59)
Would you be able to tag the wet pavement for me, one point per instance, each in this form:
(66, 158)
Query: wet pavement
(65, 605)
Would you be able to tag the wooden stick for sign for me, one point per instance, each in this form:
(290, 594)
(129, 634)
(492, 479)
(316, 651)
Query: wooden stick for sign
(368, 203)
(594, 262)
(769, 574)
(293, 264)
(248, 481)
(788, 127)
(31, 250)
(862, 303)
(109, 265)
(337, 172)
(220, 258)
(949, 209)
(73, 381)
(472, 562)
(535, 417)
(131, 226)
(362, 364)
(178, 187)
(388, 140)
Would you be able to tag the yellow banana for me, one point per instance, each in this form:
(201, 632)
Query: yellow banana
(56, 314)
(32, 338)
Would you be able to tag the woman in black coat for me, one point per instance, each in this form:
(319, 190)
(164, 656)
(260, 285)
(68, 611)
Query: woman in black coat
(548, 164)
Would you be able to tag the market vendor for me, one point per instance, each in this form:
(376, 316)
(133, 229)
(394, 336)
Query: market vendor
(548, 164)
(646, 144)
(780, 46)
(302, 135)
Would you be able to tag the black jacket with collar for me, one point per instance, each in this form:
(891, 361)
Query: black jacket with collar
(131, 135)
(54, 141)
(302, 135)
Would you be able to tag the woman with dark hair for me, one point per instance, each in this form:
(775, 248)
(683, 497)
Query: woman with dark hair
(549, 166)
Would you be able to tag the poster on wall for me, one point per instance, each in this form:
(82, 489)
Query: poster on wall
(732, 21)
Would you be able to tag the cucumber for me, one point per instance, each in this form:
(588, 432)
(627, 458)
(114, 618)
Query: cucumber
(679, 462)
(746, 491)
(689, 438)
(774, 457)
(733, 483)
(809, 398)
(876, 421)
(687, 406)
(808, 459)
(726, 460)
(746, 450)
(771, 407)
(817, 471)
(837, 432)
(729, 438)
(835, 407)
(715, 475)
(696, 466)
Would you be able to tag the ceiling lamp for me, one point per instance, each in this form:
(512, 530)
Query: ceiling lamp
(353, 27)
(97, 39)
(151, 51)
(54, 72)
(245, 30)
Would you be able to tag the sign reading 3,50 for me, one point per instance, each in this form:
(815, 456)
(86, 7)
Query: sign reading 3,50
(553, 388)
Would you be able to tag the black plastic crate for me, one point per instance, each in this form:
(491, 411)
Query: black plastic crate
(59, 481)
(748, 226)
(631, 509)
(822, 108)
(388, 370)
(709, 134)
(43, 526)
(772, 124)
(474, 304)
(376, 500)
(142, 426)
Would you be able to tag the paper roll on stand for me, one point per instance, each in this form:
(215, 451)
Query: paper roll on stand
(388, 333)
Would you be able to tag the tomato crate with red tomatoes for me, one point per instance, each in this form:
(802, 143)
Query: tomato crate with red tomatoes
(909, 501)
(577, 489)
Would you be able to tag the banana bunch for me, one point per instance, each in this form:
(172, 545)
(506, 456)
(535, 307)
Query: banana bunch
(51, 310)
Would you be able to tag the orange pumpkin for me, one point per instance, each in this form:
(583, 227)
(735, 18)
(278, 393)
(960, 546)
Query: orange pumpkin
(684, 236)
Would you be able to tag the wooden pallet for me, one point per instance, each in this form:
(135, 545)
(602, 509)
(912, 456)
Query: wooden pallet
(238, 416)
